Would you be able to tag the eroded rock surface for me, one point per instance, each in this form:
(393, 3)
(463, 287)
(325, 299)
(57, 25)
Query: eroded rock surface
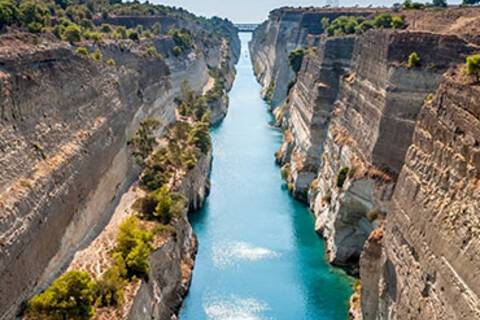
(65, 123)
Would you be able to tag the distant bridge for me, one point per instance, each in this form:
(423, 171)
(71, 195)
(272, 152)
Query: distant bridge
(246, 27)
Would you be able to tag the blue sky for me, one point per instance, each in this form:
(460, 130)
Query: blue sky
(242, 11)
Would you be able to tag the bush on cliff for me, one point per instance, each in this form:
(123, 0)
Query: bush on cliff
(439, 3)
(342, 176)
(200, 137)
(182, 38)
(413, 60)
(295, 59)
(161, 205)
(8, 12)
(108, 289)
(134, 245)
(350, 24)
(72, 33)
(34, 12)
(143, 142)
(69, 297)
(82, 51)
(473, 66)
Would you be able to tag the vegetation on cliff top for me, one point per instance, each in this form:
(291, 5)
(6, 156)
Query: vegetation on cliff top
(473, 66)
(295, 59)
(355, 25)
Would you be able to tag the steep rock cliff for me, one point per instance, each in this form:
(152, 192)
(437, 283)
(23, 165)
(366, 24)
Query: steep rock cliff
(349, 120)
(374, 117)
(285, 30)
(428, 262)
(64, 129)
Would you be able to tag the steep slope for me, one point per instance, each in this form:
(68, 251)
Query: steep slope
(65, 125)
(351, 137)
(427, 262)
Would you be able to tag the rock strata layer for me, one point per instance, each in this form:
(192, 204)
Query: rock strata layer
(369, 144)
(65, 122)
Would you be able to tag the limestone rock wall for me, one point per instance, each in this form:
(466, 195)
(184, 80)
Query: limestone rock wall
(352, 144)
(430, 262)
(171, 264)
(65, 122)
(285, 30)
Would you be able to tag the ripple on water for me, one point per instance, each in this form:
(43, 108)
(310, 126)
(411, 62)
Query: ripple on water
(228, 254)
(235, 308)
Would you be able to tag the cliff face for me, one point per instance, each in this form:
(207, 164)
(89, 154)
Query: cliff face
(349, 120)
(429, 262)
(65, 122)
(171, 265)
(285, 30)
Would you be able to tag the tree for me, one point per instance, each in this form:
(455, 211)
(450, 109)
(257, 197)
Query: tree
(383, 20)
(413, 60)
(134, 245)
(72, 33)
(439, 3)
(69, 297)
(156, 28)
(473, 66)
(398, 22)
(8, 12)
(32, 11)
(470, 2)
(325, 22)
(109, 288)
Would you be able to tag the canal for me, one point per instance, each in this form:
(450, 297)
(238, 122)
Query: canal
(259, 257)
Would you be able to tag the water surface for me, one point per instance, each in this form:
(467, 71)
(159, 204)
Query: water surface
(259, 257)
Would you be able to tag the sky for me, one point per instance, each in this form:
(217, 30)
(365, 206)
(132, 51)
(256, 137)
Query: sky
(253, 11)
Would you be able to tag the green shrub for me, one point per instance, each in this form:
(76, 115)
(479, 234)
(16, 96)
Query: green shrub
(34, 27)
(111, 62)
(34, 11)
(182, 38)
(285, 172)
(92, 35)
(383, 20)
(97, 55)
(134, 245)
(439, 3)
(161, 205)
(398, 22)
(109, 288)
(72, 33)
(295, 59)
(143, 142)
(8, 12)
(177, 51)
(342, 176)
(156, 28)
(408, 4)
(152, 51)
(473, 66)
(325, 22)
(200, 137)
(122, 32)
(69, 297)
(413, 60)
(133, 35)
(85, 24)
(82, 51)
(105, 28)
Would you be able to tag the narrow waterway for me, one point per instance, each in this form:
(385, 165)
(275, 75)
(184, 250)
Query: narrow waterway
(259, 257)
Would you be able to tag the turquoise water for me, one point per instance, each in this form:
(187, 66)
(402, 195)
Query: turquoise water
(259, 257)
